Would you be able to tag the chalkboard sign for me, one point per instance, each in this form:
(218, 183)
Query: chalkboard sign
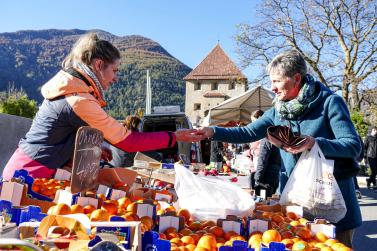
(86, 159)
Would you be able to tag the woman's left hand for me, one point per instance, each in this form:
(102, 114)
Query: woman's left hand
(309, 143)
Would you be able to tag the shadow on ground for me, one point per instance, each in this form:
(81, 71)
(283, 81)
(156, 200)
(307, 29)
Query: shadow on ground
(365, 237)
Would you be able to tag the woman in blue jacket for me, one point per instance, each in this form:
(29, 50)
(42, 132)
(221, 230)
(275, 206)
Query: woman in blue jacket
(313, 110)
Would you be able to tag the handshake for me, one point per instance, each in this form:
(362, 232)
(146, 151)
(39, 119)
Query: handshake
(194, 135)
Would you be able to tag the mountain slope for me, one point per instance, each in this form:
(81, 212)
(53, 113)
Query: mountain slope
(30, 58)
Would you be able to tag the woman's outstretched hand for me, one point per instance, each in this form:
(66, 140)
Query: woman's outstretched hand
(194, 135)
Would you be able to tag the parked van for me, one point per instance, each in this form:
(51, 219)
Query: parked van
(171, 122)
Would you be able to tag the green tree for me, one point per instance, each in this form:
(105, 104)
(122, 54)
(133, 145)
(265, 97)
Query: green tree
(16, 102)
(361, 126)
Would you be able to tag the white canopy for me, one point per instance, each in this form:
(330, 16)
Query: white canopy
(240, 108)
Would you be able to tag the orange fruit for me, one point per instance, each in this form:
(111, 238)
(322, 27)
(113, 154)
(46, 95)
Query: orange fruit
(171, 236)
(110, 206)
(77, 209)
(185, 231)
(99, 215)
(101, 196)
(191, 247)
(61, 209)
(161, 212)
(237, 238)
(196, 225)
(147, 220)
(124, 202)
(217, 231)
(229, 235)
(170, 230)
(292, 215)
(344, 248)
(337, 246)
(303, 233)
(303, 221)
(271, 235)
(301, 246)
(320, 245)
(321, 237)
(286, 234)
(277, 218)
(255, 239)
(208, 223)
(89, 209)
(170, 209)
(188, 240)
(201, 249)
(295, 223)
(177, 241)
(330, 242)
(327, 249)
(132, 207)
(288, 243)
(208, 242)
(195, 236)
(184, 213)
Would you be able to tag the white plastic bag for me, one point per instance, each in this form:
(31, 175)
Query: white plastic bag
(210, 199)
(312, 185)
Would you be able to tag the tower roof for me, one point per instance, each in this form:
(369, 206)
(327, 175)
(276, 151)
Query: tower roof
(216, 65)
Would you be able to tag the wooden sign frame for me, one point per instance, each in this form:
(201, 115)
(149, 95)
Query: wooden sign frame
(86, 159)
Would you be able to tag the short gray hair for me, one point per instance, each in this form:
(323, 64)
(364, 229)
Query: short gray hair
(288, 63)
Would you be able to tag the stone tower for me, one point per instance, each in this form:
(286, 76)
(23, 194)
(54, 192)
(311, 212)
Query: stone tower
(213, 81)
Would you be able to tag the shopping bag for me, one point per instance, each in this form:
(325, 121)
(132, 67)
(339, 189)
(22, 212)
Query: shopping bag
(312, 185)
(210, 199)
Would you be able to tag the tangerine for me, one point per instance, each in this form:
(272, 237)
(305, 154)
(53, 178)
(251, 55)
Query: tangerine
(217, 231)
(185, 213)
(208, 242)
(188, 240)
(99, 215)
(77, 209)
(270, 236)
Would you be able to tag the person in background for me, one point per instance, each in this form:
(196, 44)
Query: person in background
(318, 115)
(74, 97)
(268, 168)
(122, 158)
(216, 159)
(370, 156)
(254, 147)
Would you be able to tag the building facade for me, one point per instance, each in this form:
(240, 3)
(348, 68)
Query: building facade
(213, 81)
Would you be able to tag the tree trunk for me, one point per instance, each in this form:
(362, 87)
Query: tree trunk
(345, 92)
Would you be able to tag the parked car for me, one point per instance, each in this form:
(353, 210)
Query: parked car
(190, 152)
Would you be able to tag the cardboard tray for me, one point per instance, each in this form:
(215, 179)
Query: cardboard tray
(26, 201)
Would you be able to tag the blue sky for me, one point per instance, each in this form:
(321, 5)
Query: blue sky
(186, 29)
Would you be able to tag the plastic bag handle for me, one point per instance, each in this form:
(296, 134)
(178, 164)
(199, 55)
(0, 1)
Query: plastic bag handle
(317, 149)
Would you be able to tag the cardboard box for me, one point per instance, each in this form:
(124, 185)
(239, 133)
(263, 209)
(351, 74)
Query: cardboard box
(133, 232)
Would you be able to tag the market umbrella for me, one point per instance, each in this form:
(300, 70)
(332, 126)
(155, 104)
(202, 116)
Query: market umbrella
(240, 108)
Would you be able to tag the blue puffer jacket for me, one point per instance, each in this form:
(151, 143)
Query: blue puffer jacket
(327, 119)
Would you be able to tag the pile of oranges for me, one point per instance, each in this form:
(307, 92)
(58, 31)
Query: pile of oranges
(48, 187)
(287, 228)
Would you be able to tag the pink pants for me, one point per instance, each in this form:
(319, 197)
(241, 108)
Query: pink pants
(20, 160)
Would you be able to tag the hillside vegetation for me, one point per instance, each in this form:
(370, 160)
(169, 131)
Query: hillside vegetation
(30, 58)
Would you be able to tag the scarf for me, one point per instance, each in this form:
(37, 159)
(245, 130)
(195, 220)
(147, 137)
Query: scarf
(292, 109)
(91, 74)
